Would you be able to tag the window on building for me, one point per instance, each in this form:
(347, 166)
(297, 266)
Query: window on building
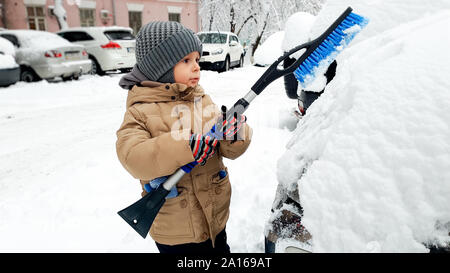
(174, 17)
(87, 17)
(36, 18)
(135, 20)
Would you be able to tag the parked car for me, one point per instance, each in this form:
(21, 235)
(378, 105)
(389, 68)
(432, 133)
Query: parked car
(221, 51)
(45, 55)
(9, 69)
(109, 48)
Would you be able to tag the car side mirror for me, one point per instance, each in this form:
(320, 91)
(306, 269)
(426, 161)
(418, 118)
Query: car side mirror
(233, 43)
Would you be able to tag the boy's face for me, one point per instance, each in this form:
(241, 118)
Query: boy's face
(187, 71)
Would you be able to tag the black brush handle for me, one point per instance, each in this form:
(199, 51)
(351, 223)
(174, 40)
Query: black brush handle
(274, 72)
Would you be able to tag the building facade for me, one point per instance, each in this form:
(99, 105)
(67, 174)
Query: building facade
(39, 14)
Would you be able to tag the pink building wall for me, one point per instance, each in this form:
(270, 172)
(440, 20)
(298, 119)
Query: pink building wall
(15, 16)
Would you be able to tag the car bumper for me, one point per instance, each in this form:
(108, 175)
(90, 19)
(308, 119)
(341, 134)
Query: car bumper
(211, 65)
(64, 69)
(114, 62)
(9, 76)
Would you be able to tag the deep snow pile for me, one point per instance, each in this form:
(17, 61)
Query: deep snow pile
(371, 158)
(270, 50)
(297, 31)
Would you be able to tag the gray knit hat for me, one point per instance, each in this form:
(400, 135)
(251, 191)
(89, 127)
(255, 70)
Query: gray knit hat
(160, 46)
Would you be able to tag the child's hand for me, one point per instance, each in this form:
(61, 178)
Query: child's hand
(202, 146)
(232, 126)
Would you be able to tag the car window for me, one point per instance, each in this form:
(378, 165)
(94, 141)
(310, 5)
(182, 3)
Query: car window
(213, 38)
(119, 35)
(13, 39)
(234, 38)
(76, 36)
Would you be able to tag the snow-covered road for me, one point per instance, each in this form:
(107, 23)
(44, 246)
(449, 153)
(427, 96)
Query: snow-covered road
(61, 183)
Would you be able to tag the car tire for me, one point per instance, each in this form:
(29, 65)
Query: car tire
(241, 61)
(226, 64)
(96, 69)
(28, 75)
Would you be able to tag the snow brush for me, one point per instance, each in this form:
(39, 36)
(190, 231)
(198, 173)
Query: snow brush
(319, 53)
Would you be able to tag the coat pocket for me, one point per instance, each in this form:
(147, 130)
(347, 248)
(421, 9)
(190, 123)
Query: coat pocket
(221, 199)
(174, 218)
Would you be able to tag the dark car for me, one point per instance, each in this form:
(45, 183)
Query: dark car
(9, 69)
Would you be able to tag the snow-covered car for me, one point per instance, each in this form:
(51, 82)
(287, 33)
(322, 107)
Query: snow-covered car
(9, 69)
(45, 55)
(353, 177)
(221, 50)
(110, 48)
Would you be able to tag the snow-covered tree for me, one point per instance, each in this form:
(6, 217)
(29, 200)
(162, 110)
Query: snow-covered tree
(60, 14)
(252, 20)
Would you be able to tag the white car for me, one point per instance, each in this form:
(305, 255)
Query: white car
(45, 55)
(109, 48)
(221, 50)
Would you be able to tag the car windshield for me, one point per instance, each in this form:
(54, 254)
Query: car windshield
(213, 38)
(119, 35)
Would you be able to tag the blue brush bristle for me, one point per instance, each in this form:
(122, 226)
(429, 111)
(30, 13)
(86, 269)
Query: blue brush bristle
(333, 44)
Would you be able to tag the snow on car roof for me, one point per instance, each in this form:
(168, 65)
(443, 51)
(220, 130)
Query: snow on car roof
(37, 38)
(97, 28)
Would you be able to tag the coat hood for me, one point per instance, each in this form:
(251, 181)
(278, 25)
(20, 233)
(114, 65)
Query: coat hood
(162, 92)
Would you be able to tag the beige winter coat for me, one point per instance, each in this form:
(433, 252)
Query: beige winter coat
(153, 141)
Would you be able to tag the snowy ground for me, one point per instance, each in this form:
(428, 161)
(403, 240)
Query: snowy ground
(61, 183)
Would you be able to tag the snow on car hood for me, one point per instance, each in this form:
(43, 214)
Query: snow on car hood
(371, 157)
(7, 62)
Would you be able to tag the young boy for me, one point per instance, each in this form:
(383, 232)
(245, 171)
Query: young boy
(166, 120)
